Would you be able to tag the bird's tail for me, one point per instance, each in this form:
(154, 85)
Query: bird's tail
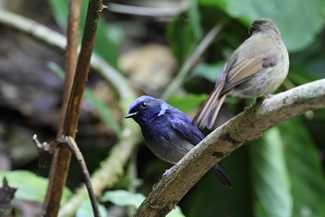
(221, 175)
(208, 112)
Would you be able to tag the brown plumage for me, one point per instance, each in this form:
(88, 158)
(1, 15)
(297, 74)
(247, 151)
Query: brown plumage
(256, 68)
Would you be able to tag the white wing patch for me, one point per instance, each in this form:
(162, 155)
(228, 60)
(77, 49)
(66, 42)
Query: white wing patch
(163, 108)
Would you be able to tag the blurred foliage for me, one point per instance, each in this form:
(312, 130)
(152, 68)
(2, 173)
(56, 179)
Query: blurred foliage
(126, 198)
(281, 174)
(85, 210)
(106, 38)
(287, 15)
(30, 186)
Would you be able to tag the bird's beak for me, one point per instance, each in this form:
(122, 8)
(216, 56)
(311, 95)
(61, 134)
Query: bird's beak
(130, 115)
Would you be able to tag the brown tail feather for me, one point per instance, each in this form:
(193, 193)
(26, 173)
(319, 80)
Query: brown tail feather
(208, 112)
(214, 113)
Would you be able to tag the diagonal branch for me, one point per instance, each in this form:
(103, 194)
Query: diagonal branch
(247, 126)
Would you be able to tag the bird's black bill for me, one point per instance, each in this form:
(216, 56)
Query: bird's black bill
(130, 115)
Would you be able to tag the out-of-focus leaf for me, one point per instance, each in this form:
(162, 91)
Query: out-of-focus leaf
(187, 102)
(309, 63)
(86, 210)
(305, 170)
(181, 38)
(209, 71)
(30, 186)
(270, 176)
(105, 45)
(289, 15)
(211, 199)
(195, 19)
(102, 109)
(126, 198)
(123, 198)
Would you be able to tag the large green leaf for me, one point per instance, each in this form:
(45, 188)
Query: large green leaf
(305, 170)
(270, 176)
(181, 38)
(211, 199)
(299, 21)
(30, 186)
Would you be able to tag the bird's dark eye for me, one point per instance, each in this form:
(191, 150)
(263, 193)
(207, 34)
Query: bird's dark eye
(144, 105)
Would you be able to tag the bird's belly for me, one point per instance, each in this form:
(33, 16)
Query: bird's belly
(170, 152)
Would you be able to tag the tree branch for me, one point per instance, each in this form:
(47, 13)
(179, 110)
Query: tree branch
(71, 59)
(60, 165)
(247, 126)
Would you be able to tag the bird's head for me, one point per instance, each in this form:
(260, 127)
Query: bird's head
(263, 25)
(145, 109)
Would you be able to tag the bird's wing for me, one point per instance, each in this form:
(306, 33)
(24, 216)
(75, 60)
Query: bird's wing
(243, 64)
(183, 126)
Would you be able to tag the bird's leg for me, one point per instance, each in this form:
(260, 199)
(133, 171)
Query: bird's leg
(262, 98)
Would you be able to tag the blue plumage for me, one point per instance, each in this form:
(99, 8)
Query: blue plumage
(168, 132)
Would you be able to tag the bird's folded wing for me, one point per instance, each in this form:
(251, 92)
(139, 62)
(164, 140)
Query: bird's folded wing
(186, 130)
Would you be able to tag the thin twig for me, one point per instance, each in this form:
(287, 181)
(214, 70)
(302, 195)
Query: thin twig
(190, 61)
(151, 12)
(109, 172)
(246, 126)
(45, 149)
(75, 150)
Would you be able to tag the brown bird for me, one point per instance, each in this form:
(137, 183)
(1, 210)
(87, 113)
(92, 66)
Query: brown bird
(256, 68)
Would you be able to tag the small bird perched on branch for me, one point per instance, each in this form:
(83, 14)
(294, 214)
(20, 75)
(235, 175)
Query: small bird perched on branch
(256, 68)
(169, 133)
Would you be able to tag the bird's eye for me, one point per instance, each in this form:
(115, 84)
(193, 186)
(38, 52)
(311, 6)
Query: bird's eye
(144, 105)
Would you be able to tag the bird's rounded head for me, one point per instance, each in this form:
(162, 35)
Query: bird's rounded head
(145, 108)
(263, 25)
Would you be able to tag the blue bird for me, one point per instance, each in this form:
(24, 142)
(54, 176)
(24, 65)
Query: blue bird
(168, 132)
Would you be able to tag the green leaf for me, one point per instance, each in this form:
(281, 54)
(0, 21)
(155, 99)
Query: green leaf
(126, 198)
(209, 71)
(29, 186)
(290, 16)
(270, 176)
(102, 109)
(181, 38)
(305, 170)
(195, 19)
(86, 210)
(106, 43)
(188, 102)
(123, 198)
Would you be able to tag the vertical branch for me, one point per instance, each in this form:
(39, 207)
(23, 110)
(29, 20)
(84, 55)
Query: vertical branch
(55, 186)
(62, 158)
